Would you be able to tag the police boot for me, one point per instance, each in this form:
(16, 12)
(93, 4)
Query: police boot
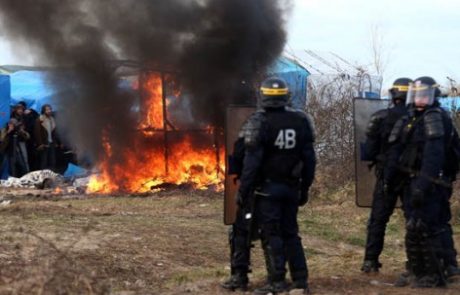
(413, 250)
(275, 287)
(405, 278)
(300, 281)
(298, 268)
(429, 281)
(452, 271)
(371, 266)
(433, 277)
(300, 285)
(433, 266)
(236, 281)
(276, 282)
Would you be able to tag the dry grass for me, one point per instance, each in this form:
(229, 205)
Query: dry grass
(175, 243)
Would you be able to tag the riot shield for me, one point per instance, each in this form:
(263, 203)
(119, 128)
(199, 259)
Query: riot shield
(235, 117)
(364, 176)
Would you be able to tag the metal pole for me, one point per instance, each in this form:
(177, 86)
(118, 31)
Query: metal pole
(165, 122)
(216, 143)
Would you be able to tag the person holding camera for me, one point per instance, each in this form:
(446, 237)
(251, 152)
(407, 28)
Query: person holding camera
(12, 146)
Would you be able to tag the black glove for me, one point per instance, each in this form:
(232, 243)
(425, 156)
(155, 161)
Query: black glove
(417, 198)
(303, 197)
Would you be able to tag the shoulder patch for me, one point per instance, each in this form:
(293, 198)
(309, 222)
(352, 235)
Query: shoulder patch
(433, 123)
(375, 123)
(252, 128)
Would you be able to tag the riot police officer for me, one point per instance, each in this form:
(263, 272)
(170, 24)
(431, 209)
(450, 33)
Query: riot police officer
(279, 165)
(421, 144)
(240, 248)
(376, 148)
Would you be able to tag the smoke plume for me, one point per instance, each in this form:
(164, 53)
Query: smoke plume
(211, 45)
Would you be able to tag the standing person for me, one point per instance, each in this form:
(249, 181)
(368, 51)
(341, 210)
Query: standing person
(385, 196)
(421, 144)
(30, 116)
(279, 165)
(46, 138)
(240, 248)
(22, 141)
(240, 233)
(11, 138)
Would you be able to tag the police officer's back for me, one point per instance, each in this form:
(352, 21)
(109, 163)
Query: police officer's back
(279, 163)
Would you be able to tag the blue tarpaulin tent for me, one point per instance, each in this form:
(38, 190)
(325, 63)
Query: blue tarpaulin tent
(450, 103)
(5, 97)
(296, 77)
(4, 115)
(32, 88)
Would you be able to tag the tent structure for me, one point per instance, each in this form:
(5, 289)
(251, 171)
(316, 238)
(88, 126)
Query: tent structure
(296, 77)
(5, 97)
(28, 84)
(32, 88)
(451, 103)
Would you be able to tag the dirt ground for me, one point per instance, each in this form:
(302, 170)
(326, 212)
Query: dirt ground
(175, 243)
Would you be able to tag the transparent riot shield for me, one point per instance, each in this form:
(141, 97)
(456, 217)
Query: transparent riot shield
(235, 117)
(364, 176)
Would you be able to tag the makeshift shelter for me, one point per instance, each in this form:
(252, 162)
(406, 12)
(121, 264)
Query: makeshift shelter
(5, 98)
(29, 84)
(451, 103)
(32, 88)
(296, 77)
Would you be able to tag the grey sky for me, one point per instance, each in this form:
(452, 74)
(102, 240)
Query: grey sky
(421, 36)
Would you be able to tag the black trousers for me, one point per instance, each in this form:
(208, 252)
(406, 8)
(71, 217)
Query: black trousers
(450, 254)
(277, 207)
(47, 158)
(382, 208)
(240, 248)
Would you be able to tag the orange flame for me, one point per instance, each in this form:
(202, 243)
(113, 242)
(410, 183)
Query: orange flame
(148, 162)
(57, 191)
(153, 116)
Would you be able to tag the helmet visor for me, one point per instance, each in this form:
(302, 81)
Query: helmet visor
(420, 95)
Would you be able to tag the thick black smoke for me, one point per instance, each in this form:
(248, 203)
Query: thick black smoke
(212, 45)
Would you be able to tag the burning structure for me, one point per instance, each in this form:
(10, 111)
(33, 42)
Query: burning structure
(167, 149)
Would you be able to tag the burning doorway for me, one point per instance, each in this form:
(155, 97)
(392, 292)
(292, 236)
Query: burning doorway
(168, 149)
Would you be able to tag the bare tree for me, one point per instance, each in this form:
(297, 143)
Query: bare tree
(380, 51)
(331, 104)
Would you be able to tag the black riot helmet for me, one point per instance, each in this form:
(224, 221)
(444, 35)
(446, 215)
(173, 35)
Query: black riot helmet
(398, 91)
(423, 92)
(274, 93)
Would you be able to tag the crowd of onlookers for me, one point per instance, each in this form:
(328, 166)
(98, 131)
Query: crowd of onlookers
(29, 140)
